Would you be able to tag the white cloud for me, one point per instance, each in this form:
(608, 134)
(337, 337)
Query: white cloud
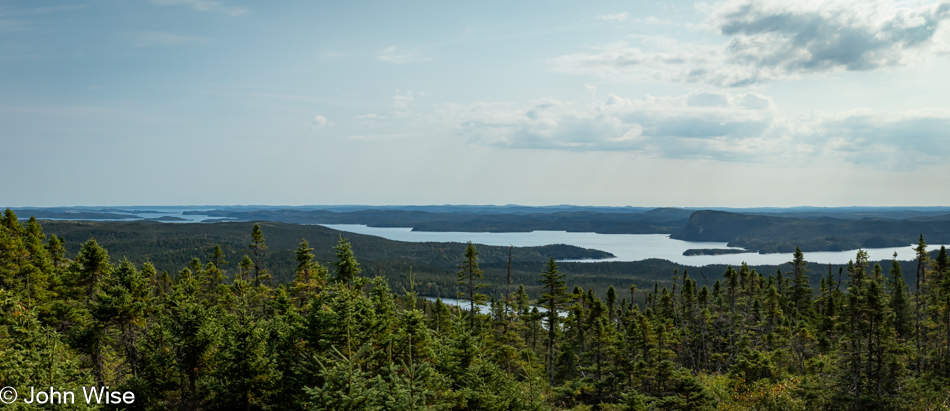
(13, 19)
(891, 139)
(664, 127)
(831, 35)
(592, 90)
(769, 40)
(402, 101)
(655, 21)
(320, 122)
(615, 17)
(162, 38)
(41, 10)
(716, 125)
(660, 60)
(205, 5)
(377, 137)
(393, 55)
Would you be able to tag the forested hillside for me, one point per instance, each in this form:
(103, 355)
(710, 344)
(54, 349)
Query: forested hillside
(574, 219)
(172, 246)
(772, 234)
(216, 336)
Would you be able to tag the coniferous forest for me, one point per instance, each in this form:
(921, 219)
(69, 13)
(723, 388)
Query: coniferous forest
(221, 334)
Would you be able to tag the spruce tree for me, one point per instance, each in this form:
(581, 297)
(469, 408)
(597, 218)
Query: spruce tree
(870, 361)
(123, 303)
(919, 310)
(900, 301)
(92, 264)
(347, 268)
(257, 248)
(611, 301)
(217, 257)
(309, 276)
(553, 297)
(801, 287)
(468, 278)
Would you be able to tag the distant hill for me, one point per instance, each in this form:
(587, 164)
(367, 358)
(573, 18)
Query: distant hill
(629, 221)
(770, 234)
(766, 229)
(170, 247)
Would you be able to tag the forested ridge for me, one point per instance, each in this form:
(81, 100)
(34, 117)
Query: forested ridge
(169, 247)
(217, 335)
(773, 234)
(172, 246)
(759, 230)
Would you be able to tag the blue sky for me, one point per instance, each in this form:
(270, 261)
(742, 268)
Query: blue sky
(740, 104)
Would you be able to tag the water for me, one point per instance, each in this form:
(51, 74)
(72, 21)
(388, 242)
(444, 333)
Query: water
(151, 213)
(626, 247)
(484, 309)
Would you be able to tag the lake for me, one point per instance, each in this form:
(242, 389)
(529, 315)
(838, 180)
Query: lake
(149, 213)
(626, 247)
(484, 309)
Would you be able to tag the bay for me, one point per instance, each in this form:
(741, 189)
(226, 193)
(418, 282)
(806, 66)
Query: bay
(625, 247)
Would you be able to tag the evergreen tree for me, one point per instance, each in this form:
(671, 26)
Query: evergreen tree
(900, 302)
(553, 297)
(217, 256)
(92, 264)
(347, 268)
(257, 248)
(194, 334)
(309, 277)
(870, 359)
(611, 301)
(304, 256)
(247, 375)
(919, 309)
(124, 302)
(468, 278)
(57, 251)
(801, 287)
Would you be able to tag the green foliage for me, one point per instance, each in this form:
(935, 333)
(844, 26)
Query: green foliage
(347, 268)
(468, 278)
(553, 299)
(201, 339)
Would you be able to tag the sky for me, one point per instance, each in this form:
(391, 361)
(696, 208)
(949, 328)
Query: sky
(672, 103)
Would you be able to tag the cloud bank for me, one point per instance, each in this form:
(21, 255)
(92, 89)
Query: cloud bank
(770, 40)
(723, 126)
